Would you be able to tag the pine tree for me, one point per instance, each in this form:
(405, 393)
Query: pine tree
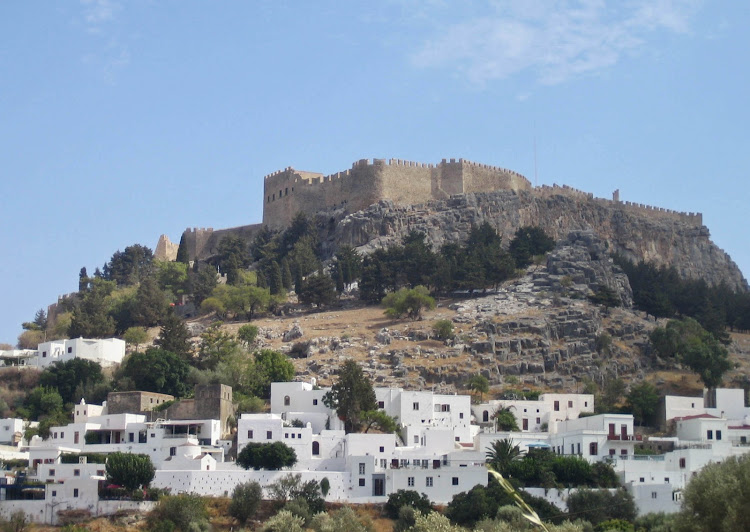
(182, 251)
(286, 275)
(340, 278)
(83, 280)
(174, 336)
(275, 283)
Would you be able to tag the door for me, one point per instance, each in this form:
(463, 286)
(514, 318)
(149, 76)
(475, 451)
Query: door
(378, 486)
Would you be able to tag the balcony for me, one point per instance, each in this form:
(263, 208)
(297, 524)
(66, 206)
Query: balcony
(624, 437)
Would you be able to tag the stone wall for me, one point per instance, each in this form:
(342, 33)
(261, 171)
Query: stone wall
(165, 249)
(135, 402)
(212, 401)
(203, 243)
(289, 191)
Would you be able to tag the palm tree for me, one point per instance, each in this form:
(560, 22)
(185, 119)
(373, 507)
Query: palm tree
(478, 383)
(501, 453)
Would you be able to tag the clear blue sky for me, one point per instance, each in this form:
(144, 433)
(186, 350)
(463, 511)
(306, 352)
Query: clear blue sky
(120, 120)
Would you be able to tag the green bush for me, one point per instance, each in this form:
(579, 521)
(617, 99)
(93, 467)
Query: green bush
(409, 302)
(181, 512)
(246, 499)
(410, 498)
(443, 329)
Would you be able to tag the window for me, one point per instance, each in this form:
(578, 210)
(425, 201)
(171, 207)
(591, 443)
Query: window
(76, 472)
(62, 434)
(454, 481)
(570, 404)
(666, 479)
(381, 404)
(585, 403)
(653, 495)
(361, 468)
(524, 424)
(446, 408)
(316, 448)
(643, 479)
(173, 451)
(623, 452)
(55, 436)
(428, 482)
(415, 406)
(75, 492)
(100, 472)
(682, 463)
(286, 435)
(249, 434)
(54, 493)
(382, 449)
(718, 435)
(593, 448)
(361, 482)
(425, 464)
(611, 452)
(269, 434)
(410, 481)
(557, 406)
(710, 434)
(416, 439)
(538, 421)
(75, 437)
(578, 448)
(70, 349)
(52, 472)
(287, 400)
(44, 354)
(315, 402)
(461, 415)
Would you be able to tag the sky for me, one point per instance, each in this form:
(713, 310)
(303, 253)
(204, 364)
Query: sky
(124, 120)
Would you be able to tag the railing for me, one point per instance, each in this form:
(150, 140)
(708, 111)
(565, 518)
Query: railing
(642, 457)
(176, 436)
(624, 437)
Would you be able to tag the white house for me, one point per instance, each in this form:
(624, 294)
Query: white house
(106, 352)
(18, 357)
(534, 416)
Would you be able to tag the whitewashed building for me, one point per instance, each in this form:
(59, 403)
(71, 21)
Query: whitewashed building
(106, 352)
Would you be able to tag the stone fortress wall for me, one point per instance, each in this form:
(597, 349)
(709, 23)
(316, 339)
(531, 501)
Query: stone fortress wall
(692, 218)
(290, 191)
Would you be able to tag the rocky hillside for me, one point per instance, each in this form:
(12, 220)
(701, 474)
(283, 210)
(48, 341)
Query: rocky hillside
(638, 234)
(539, 329)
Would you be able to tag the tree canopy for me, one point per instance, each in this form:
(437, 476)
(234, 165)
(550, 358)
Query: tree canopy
(66, 377)
(689, 343)
(270, 456)
(132, 471)
(351, 395)
(157, 370)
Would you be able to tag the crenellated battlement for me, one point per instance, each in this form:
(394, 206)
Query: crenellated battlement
(565, 190)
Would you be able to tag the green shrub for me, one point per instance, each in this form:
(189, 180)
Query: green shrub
(246, 499)
(443, 329)
(410, 498)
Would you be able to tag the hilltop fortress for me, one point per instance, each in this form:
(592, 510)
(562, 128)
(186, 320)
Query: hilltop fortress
(290, 191)
(377, 201)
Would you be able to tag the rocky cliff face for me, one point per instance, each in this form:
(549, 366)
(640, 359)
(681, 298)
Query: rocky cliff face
(636, 234)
